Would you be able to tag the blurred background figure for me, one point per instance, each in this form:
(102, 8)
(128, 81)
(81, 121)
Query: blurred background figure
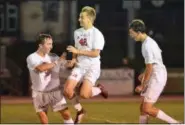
(126, 63)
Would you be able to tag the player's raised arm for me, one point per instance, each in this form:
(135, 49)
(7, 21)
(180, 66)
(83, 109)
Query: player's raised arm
(92, 53)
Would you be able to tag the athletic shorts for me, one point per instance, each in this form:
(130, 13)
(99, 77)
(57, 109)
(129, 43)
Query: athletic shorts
(155, 85)
(55, 99)
(92, 74)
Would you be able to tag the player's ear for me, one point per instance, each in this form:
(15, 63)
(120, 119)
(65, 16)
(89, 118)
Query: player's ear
(40, 45)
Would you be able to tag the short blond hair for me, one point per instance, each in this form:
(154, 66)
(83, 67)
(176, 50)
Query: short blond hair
(90, 12)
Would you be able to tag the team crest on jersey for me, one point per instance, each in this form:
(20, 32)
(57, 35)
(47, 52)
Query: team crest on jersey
(83, 41)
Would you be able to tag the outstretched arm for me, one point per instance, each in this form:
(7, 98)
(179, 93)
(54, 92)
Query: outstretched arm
(92, 53)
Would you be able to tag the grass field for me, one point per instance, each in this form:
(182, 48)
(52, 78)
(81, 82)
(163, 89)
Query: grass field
(97, 112)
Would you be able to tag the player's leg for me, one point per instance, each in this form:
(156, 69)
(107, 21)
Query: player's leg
(41, 107)
(65, 113)
(88, 87)
(76, 103)
(88, 90)
(149, 109)
(143, 118)
(71, 82)
(76, 99)
(89, 80)
(69, 86)
(59, 104)
(43, 117)
(80, 110)
(99, 90)
(95, 91)
(155, 88)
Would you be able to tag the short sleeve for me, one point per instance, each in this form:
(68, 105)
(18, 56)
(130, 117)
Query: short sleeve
(75, 38)
(99, 41)
(32, 63)
(149, 55)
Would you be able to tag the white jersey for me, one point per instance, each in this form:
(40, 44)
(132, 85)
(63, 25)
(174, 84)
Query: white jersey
(43, 81)
(151, 52)
(56, 72)
(55, 81)
(88, 40)
(152, 55)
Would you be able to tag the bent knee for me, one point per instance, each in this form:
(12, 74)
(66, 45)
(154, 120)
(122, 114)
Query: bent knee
(146, 110)
(68, 93)
(84, 95)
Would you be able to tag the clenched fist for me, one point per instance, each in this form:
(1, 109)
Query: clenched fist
(139, 89)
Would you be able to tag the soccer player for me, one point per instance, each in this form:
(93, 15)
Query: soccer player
(76, 98)
(89, 42)
(46, 89)
(153, 80)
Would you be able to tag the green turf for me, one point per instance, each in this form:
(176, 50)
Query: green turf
(98, 112)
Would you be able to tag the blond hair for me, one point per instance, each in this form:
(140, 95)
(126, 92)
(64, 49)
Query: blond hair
(90, 12)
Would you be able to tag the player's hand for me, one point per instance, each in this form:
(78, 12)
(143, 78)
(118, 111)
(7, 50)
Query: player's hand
(140, 77)
(63, 56)
(139, 89)
(72, 49)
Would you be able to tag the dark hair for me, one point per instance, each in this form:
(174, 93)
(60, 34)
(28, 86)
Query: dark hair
(40, 39)
(138, 26)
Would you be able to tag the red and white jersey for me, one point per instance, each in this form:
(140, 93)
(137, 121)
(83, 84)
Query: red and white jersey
(88, 40)
(151, 52)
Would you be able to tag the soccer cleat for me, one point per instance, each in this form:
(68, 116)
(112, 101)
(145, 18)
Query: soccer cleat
(104, 92)
(79, 116)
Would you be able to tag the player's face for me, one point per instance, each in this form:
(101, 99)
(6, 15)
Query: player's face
(84, 19)
(47, 46)
(134, 35)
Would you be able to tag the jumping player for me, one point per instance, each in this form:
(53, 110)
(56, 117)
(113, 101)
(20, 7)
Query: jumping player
(89, 42)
